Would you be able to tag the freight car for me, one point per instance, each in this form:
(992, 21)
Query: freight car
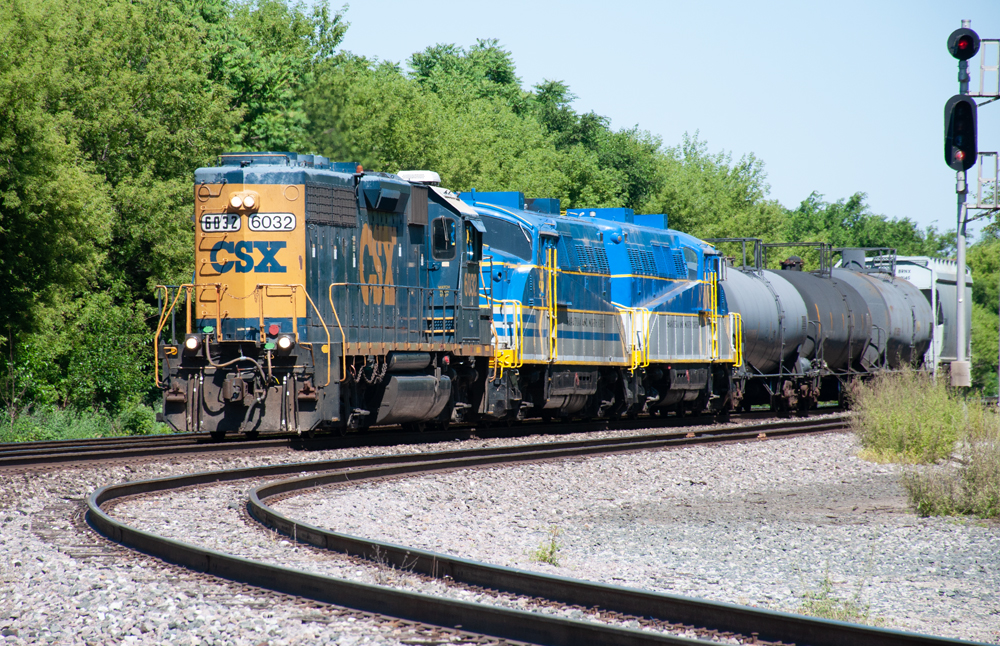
(806, 334)
(323, 297)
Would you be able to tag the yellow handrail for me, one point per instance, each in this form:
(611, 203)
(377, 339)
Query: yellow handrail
(553, 304)
(513, 356)
(713, 286)
(163, 321)
(738, 335)
(637, 347)
(343, 337)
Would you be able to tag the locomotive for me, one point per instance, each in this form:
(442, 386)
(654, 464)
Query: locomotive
(323, 297)
(326, 297)
(596, 315)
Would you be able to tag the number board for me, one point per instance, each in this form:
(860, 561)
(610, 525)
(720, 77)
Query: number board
(271, 221)
(220, 222)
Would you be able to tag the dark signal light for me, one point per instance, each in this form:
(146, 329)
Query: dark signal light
(960, 127)
(963, 43)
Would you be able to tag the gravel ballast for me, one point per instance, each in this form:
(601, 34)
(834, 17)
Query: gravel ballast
(760, 523)
(763, 524)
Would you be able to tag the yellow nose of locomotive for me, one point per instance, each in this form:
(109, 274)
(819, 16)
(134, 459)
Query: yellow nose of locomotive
(250, 259)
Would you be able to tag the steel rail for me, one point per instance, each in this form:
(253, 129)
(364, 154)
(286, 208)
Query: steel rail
(721, 617)
(21, 454)
(490, 620)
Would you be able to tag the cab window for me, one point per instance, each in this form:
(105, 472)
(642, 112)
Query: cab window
(443, 238)
(691, 260)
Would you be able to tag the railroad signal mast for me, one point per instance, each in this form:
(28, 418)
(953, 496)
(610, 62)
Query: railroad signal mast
(961, 153)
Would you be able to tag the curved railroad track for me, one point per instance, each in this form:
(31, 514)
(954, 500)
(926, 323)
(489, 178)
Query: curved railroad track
(747, 624)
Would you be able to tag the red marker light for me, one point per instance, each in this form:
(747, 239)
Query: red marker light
(273, 329)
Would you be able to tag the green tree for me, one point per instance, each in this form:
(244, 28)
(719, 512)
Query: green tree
(709, 196)
(264, 52)
(983, 260)
(54, 211)
(485, 71)
(851, 223)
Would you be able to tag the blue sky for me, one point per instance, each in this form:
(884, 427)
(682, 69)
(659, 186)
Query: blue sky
(834, 97)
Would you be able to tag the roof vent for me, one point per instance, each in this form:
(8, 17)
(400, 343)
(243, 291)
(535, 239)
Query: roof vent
(420, 177)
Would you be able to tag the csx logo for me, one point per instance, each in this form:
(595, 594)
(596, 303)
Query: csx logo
(244, 262)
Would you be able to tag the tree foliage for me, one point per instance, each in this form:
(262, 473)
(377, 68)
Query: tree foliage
(107, 106)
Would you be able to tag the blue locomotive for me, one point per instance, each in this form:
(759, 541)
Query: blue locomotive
(597, 315)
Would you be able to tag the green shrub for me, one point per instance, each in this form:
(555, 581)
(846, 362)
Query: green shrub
(548, 550)
(52, 423)
(906, 417)
(971, 486)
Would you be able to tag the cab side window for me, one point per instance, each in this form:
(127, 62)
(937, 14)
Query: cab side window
(691, 260)
(443, 236)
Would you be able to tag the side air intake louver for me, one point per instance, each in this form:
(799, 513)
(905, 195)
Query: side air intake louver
(591, 259)
(642, 261)
(669, 262)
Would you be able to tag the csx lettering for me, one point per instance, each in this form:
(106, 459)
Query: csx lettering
(243, 250)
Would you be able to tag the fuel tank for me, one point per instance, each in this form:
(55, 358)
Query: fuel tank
(773, 314)
(413, 398)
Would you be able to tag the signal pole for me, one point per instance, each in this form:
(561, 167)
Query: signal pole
(960, 154)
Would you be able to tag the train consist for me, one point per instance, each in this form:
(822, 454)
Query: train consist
(325, 297)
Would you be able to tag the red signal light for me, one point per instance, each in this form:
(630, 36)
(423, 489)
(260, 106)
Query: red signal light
(963, 43)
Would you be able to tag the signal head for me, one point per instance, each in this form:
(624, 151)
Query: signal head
(960, 132)
(963, 43)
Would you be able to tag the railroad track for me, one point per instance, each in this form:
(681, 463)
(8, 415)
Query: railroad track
(747, 624)
(28, 454)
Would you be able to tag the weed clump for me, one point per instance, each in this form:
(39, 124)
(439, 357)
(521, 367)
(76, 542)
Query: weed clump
(825, 604)
(906, 417)
(548, 551)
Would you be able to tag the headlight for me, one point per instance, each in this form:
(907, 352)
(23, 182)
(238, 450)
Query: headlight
(235, 201)
(192, 342)
(249, 202)
(285, 342)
